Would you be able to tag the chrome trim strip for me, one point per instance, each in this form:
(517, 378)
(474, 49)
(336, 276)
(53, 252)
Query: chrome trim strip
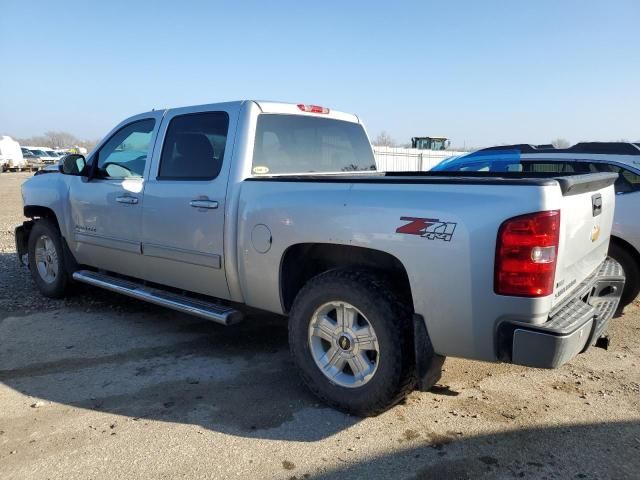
(180, 255)
(108, 242)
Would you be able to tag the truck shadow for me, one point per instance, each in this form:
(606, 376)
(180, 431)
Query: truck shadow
(102, 351)
(586, 451)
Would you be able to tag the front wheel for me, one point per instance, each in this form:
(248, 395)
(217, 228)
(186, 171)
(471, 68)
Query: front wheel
(46, 261)
(351, 341)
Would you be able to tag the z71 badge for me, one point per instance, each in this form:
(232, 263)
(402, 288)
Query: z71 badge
(429, 228)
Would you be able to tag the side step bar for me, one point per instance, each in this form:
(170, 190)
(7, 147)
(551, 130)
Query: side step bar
(199, 308)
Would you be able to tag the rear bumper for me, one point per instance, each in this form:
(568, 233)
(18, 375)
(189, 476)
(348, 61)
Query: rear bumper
(571, 328)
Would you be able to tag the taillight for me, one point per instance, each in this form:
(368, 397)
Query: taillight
(526, 255)
(313, 108)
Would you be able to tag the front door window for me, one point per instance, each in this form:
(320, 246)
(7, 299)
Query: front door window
(125, 154)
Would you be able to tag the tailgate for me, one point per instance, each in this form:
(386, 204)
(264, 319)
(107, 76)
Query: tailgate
(586, 218)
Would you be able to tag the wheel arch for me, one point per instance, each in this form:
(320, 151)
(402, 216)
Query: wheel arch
(35, 212)
(303, 261)
(628, 247)
(38, 211)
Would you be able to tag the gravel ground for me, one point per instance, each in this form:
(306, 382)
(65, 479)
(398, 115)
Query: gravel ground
(101, 386)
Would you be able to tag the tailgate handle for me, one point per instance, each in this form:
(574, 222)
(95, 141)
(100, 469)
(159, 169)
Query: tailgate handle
(596, 204)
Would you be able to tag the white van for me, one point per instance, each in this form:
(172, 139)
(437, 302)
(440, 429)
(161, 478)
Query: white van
(10, 155)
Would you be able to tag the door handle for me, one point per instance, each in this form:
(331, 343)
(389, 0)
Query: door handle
(203, 203)
(129, 200)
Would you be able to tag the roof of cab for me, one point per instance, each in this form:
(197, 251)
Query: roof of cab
(292, 108)
(269, 106)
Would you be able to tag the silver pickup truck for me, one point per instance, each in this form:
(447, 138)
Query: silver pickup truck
(276, 206)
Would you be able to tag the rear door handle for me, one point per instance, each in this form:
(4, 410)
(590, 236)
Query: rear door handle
(200, 203)
(129, 200)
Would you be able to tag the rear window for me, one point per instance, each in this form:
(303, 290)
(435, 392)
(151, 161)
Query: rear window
(301, 144)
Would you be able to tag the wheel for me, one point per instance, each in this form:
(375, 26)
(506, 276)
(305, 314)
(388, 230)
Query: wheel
(46, 259)
(631, 271)
(351, 341)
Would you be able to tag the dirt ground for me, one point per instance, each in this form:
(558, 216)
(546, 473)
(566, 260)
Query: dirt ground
(100, 386)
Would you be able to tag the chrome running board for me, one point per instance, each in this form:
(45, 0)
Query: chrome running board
(200, 308)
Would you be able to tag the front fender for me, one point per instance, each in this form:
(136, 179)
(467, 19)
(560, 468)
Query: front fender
(51, 192)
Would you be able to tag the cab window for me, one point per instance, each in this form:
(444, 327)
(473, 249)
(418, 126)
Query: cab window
(125, 154)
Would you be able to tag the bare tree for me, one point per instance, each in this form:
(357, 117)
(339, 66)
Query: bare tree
(384, 140)
(560, 143)
(58, 139)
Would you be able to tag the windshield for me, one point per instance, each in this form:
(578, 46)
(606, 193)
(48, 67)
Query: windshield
(39, 153)
(483, 161)
(302, 144)
(510, 161)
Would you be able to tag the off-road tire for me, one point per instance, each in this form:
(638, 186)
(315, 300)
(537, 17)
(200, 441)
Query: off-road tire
(631, 271)
(59, 287)
(395, 376)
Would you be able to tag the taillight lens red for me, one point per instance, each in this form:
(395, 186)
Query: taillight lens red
(526, 255)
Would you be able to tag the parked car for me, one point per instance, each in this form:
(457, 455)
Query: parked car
(275, 206)
(32, 160)
(44, 155)
(11, 157)
(587, 157)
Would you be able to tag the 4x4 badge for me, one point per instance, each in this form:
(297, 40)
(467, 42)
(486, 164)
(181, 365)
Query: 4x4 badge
(429, 228)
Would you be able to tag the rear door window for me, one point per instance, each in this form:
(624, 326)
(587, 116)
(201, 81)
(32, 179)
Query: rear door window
(194, 146)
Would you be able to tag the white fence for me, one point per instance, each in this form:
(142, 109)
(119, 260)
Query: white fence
(395, 159)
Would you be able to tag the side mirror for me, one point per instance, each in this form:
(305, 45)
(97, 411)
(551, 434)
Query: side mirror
(73, 164)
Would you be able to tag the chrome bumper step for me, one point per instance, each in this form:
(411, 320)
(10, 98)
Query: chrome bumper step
(200, 308)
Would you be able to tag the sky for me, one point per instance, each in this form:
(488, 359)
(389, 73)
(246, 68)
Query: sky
(480, 73)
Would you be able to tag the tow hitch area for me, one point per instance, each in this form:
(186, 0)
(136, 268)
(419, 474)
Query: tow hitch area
(603, 342)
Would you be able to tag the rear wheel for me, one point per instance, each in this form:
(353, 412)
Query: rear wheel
(351, 340)
(46, 261)
(631, 272)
